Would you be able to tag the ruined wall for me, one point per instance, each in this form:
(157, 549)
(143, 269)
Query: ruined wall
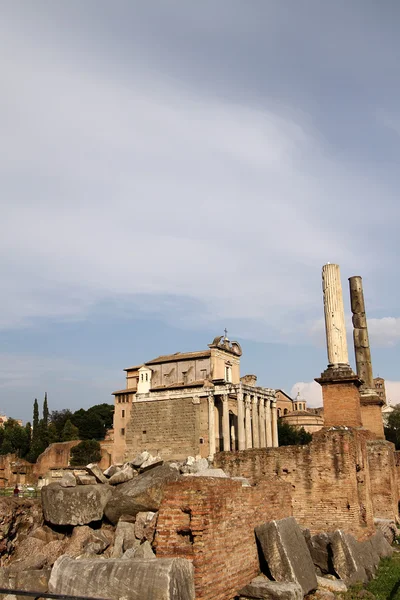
(397, 469)
(55, 455)
(384, 485)
(330, 479)
(14, 470)
(211, 521)
(166, 427)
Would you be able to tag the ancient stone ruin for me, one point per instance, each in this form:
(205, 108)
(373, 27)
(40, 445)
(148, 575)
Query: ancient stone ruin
(262, 522)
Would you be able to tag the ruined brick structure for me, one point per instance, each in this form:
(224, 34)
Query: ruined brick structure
(211, 521)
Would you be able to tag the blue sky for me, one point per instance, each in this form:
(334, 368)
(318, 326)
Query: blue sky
(172, 168)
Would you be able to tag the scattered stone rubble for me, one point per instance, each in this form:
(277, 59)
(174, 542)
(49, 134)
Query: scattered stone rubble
(94, 537)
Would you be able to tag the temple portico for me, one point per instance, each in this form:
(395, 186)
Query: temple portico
(241, 417)
(193, 404)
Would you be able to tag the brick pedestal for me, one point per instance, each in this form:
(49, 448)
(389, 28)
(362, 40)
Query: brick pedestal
(340, 393)
(371, 414)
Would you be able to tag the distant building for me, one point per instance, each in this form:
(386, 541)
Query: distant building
(295, 412)
(4, 419)
(193, 404)
(380, 388)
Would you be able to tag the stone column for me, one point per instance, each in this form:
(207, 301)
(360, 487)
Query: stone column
(262, 423)
(255, 423)
(241, 428)
(371, 404)
(249, 440)
(339, 383)
(225, 424)
(211, 427)
(335, 327)
(268, 423)
(274, 411)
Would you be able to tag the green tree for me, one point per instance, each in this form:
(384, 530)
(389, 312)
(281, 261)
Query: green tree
(392, 430)
(70, 432)
(45, 423)
(58, 418)
(36, 445)
(85, 452)
(291, 436)
(15, 439)
(90, 424)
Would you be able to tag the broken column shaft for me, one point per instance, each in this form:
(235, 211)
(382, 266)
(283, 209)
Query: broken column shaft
(371, 412)
(339, 383)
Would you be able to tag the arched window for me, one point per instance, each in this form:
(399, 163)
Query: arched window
(279, 412)
(285, 412)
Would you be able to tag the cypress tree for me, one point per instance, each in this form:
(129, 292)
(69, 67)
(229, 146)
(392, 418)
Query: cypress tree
(35, 422)
(44, 425)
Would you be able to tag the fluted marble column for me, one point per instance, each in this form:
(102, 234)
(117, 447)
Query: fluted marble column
(241, 428)
(255, 423)
(334, 316)
(268, 423)
(274, 411)
(225, 423)
(211, 427)
(262, 423)
(249, 441)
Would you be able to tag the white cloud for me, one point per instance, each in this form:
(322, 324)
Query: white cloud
(392, 392)
(133, 183)
(311, 391)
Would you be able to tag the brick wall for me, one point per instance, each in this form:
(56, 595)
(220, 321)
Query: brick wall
(330, 479)
(170, 428)
(371, 417)
(211, 522)
(383, 474)
(341, 404)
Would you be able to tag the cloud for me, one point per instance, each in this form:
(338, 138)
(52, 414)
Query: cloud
(311, 391)
(392, 392)
(132, 182)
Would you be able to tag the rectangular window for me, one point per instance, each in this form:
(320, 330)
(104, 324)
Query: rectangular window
(123, 413)
(123, 431)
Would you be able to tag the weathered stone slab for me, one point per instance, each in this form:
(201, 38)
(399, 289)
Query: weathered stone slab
(336, 586)
(286, 552)
(123, 475)
(261, 587)
(111, 470)
(25, 580)
(381, 545)
(320, 549)
(160, 579)
(140, 459)
(74, 506)
(150, 463)
(124, 538)
(209, 473)
(141, 494)
(143, 551)
(68, 480)
(143, 528)
(94, 469)
(388, 528)
(86, 480)
(345, 560)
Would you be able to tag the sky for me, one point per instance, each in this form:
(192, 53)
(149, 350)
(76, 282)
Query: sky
(172, 168)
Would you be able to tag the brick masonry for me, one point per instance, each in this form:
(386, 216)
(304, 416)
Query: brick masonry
(330, 478)
(371, 416)
(164, 427)
(211, 521)
(384, 478)
(341, 404)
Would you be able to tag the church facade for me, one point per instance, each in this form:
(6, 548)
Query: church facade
(193, 404)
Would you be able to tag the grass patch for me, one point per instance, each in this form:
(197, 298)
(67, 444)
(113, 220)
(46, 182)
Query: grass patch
(385, 586)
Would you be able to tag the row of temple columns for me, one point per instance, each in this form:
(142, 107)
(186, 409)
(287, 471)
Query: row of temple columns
(257, 422)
